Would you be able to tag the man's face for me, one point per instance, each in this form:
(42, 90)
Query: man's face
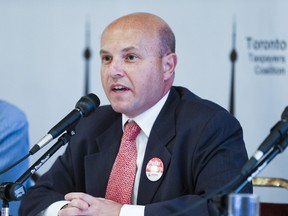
(131, 69)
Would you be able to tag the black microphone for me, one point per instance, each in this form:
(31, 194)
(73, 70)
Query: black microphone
(277, 133)
(84, 107)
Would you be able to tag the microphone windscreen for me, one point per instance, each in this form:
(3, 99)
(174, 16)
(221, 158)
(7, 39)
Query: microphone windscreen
(88, 104)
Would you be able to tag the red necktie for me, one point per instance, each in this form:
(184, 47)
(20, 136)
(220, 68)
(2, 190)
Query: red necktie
(121, 180)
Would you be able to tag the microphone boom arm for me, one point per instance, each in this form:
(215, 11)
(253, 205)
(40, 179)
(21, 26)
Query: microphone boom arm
(65, 138)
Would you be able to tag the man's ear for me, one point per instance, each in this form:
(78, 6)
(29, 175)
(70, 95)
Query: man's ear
(169, 62)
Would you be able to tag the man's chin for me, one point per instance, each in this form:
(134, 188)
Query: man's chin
(120, 108)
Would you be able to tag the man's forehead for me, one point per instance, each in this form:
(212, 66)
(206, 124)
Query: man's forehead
(128, 36)
(128, 31)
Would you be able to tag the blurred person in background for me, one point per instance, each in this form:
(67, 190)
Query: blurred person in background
(14, 144)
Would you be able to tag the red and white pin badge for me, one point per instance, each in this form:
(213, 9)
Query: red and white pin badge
(154, 169)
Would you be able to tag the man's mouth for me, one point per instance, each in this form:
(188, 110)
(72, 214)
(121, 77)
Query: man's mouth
(120, 88)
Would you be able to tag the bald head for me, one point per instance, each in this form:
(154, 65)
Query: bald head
(147, 24)
(137, 62)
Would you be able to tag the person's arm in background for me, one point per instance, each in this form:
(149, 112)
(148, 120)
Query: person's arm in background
(14, 144)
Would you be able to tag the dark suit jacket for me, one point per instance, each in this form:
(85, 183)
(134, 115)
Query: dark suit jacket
(200, 144)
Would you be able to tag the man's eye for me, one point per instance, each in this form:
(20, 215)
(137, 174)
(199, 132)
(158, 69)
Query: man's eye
(106, 59)
(131, 57)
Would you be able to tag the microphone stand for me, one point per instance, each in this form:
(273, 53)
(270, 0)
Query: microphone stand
(221, 200)
(279, 148)
(14, 191)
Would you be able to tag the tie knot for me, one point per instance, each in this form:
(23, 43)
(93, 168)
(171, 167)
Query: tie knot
(131, 131)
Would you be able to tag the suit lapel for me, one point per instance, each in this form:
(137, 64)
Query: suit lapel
(162, 134)
(100, 163)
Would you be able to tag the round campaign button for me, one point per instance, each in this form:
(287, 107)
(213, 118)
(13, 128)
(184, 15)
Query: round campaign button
(154, 169)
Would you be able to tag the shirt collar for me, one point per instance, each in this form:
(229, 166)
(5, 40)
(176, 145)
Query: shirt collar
(146, 119)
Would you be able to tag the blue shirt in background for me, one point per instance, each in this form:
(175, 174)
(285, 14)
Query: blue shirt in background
(14, 144)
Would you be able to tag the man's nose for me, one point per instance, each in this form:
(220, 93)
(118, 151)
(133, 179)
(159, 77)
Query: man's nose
(116, 68)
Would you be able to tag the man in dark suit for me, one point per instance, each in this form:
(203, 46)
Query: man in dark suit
(187, 147)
